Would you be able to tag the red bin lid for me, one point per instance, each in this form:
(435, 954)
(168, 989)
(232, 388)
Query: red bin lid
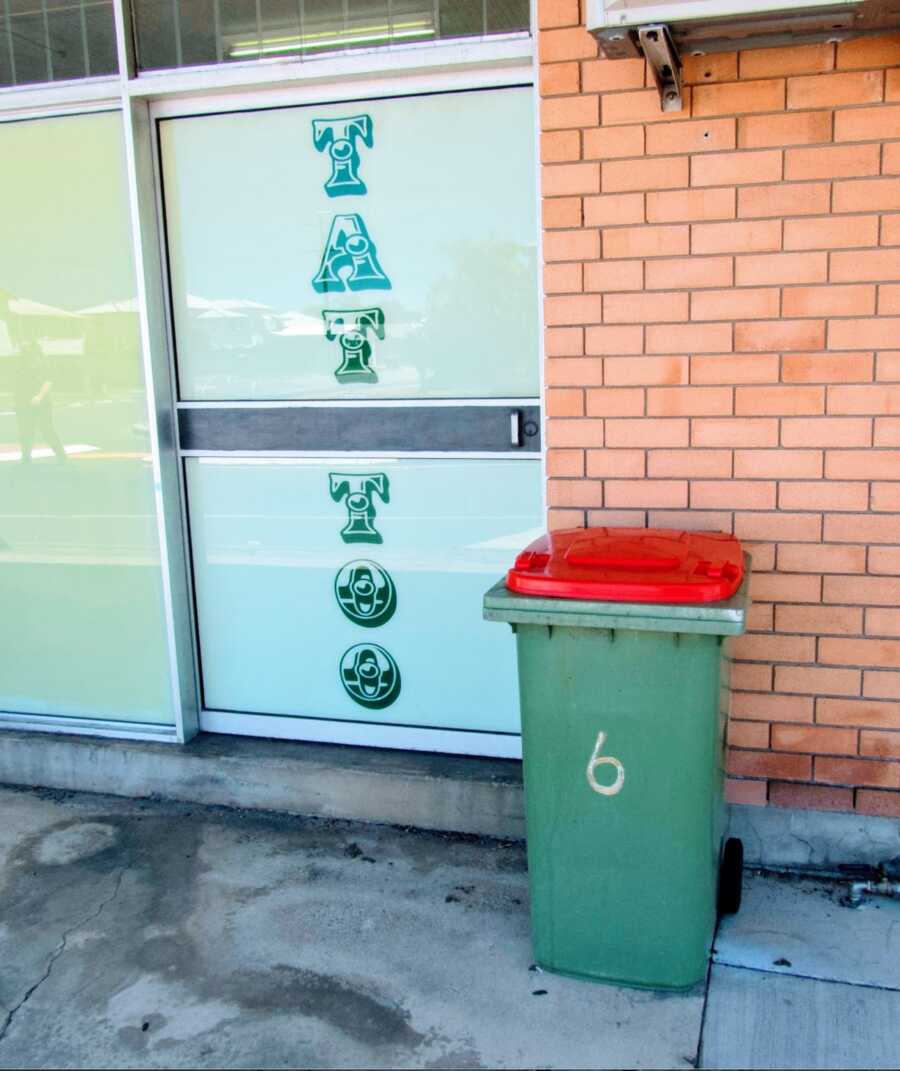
(630, 565)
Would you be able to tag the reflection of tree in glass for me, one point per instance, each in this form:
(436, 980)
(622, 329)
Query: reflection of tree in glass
(483, 307)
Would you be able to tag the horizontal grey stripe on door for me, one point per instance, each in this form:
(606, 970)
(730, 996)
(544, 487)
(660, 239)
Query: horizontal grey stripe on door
(440, 428)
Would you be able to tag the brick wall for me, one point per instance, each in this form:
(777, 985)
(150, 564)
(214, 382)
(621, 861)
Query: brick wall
(722, 309)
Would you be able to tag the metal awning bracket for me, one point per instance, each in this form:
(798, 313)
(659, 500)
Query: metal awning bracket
(665, 63)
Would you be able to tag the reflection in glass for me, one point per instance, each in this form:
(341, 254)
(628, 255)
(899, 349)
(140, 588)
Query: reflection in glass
(55, 40)
(176, 35)
(82, 629)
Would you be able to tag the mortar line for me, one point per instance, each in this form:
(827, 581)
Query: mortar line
(807, 977)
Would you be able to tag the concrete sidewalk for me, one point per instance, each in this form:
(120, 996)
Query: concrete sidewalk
(149, 934)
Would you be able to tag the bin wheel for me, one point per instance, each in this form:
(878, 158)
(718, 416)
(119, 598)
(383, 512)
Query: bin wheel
(730, 875)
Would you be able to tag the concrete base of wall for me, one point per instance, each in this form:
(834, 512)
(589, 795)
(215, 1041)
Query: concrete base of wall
(441, 792)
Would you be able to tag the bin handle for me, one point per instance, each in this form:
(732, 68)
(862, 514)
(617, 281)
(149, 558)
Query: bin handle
(604, 760)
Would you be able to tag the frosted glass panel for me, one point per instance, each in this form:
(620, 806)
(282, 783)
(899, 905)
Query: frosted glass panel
(376, 249)
(81, 619)
(351, 589)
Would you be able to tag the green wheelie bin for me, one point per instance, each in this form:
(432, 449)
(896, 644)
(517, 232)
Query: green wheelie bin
(622, 638)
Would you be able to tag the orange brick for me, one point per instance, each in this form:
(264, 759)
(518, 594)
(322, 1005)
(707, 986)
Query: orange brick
(738, 790)
(855, 772)
(764, 95)
(558, 13)
(614, 208)
(560, 146)
(709, 135)
(750, 734)
(823, 495)
(612, 275)
(867, 124)
(830, 233)
(780, 268)
(860, 195)
(688, 463)
(561, 212)
(734, 431)
(606, 144)
(690, 520)
(560, 180)
(564, 518)
(880, 804)
(562, 279)
(793, 708)
(713, 67)
(889, 299)
(646, 241)
(557, 45)
(794, 558)
(778, 464)
(646, 493)
(837, 161)
(883, 685)
(810, 797)
(818, 620)
(817, 680)
(574, 433)
(646, 371)
(829, 301)
(868, 590)
(779, 587)
(600, 341)
(884, 560)
(569, 493)
(802, 199)
(732, 494)
(887, 367)
(689, 338)
(645, 308)
(890, 163)
(572, 245)
(729, 368)
(859, 712)
(850, 334)
(827, 431)
(641, 106)
(563, 341)
(565, 463)
(865, 265)
(686, 205)
(835, 90)
(647, 432)
(646, 174)
(826, 367)
(886, 497)
(574, 372)
(874, 528)
(730, 168)
(617, 518)
(777, 400)
(615, 401)
(769, 764)
(736, 237)
(801, 128)
(560, 78)
(605, 76)
(615, 463)
(689, 401)
(563, 113)
(880, 51)
(892, 84)
(798, 59)
(890, 230)
(565, 402)
(691, 272)
(573, 309)
(881, 622)
(780, 335)
(756, 677)
(814, 740)
(855, 652)
(757, 648)
(864, 398)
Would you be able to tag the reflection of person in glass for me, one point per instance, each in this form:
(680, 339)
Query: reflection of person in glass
(31, 397)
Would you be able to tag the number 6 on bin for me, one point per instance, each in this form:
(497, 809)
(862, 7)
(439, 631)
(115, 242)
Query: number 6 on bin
(604, 760)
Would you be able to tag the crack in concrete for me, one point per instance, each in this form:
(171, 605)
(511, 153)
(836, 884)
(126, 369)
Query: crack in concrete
(58, 951)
